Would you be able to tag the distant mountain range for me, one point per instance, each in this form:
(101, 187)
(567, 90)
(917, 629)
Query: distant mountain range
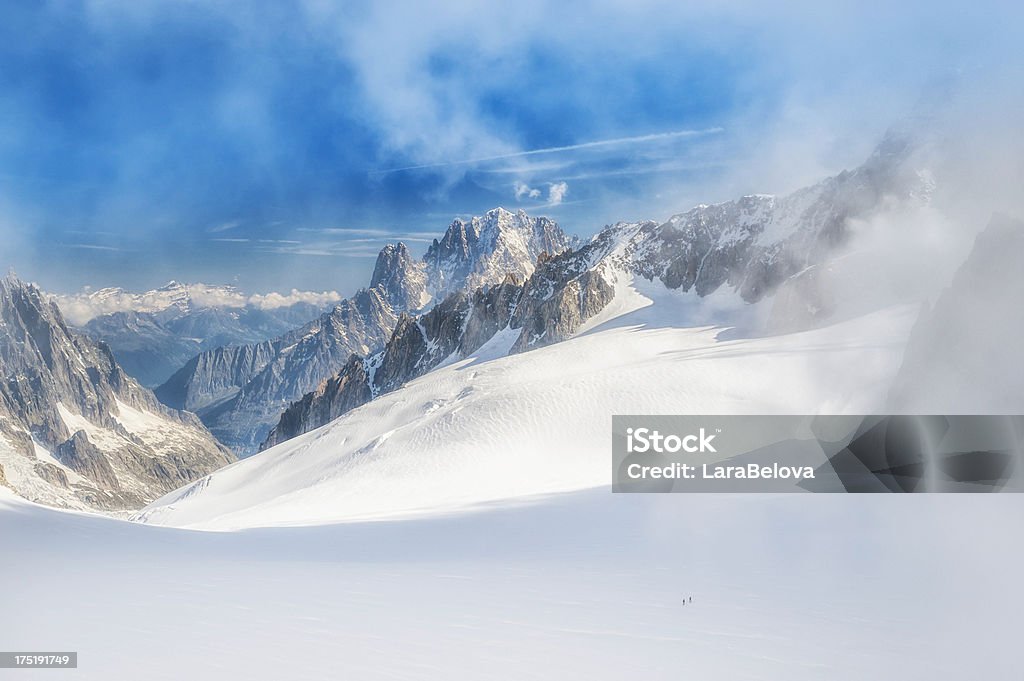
(153, 334)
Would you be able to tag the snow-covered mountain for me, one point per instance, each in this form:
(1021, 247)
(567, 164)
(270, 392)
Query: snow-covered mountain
(75, 429)
(153, 334)
(483, 250)
(749, 248)
(240, 392)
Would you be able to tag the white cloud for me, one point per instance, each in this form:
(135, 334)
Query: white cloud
(274, 300)
(82, 307)
(557, 192)
(524, 190)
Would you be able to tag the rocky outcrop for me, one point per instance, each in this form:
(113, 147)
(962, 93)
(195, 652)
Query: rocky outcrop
(51, 474)
(490, 311)
(84, 458)
(75, 430)
(561, 295)
(339, 394)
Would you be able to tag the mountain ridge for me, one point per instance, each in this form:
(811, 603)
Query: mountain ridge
(240, 400)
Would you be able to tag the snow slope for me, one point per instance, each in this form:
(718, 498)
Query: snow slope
(581, 586)
(488, 428)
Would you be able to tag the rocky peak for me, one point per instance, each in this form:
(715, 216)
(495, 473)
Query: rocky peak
(391, 259)
(401, 279)
(482, 250)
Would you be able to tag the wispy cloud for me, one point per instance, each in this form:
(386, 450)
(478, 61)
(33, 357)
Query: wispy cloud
(597, 144)
(344, 230)
(651, 169)
(321, 249)
(370, 235)
(224, 226)
(528, 168)
(92, 247)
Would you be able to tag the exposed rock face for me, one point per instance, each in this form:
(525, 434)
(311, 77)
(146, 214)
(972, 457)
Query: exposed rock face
(343, 392)
(211, 377)
(490, 312)
(84, 458)
(402, 280)
(75, 430)
(957, 359)
(481, 251)
(752, 245)
(562, 294)
(241, 392)
(417, 345)
(51, 474)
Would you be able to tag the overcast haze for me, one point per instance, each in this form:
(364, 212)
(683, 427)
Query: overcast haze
(280, 146)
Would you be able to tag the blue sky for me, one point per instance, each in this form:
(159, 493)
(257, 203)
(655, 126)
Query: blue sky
(280, 144)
